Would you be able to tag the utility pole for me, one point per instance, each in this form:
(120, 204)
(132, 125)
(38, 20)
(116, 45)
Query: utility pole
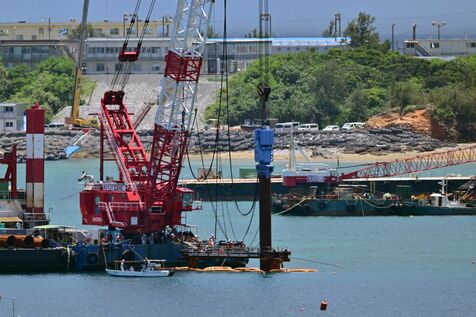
(49, 28)
(393, 37)
(414, 31)
(124, 19)
(337, 25)
(438, 25)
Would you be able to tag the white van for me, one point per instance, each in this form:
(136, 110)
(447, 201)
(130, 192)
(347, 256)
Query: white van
(286, 127)
(308, 127)
(353, 125)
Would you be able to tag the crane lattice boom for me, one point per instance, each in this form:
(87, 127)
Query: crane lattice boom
(176, 101)
(416, 164)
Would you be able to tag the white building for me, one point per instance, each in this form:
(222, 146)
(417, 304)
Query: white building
(11, 117)
(241, 52)
(442, 47)
(102, 55)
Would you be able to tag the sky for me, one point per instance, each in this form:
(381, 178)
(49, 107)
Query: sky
(289, 17)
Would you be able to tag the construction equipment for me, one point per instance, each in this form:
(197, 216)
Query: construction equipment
(74, 120)
(415, 164)
(146, 198)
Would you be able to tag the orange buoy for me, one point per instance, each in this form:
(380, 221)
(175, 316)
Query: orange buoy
(324, 305)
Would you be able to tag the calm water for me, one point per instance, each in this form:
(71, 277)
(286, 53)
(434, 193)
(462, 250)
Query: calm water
(388, 266)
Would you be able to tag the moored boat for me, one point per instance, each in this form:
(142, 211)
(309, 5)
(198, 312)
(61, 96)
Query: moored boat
(356, 201)
(150, 268)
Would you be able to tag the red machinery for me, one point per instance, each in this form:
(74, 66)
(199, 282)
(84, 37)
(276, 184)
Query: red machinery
(415, 164)
(146, 198)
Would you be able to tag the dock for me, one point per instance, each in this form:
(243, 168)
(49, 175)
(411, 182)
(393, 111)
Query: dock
(228, 189)
(246, 188)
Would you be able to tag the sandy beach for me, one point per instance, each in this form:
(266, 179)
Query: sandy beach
(336, 154)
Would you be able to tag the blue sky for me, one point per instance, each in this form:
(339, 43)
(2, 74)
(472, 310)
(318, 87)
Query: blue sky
(290, 17)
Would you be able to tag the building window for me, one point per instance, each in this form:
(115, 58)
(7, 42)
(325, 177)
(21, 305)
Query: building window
(473, 44)
(114, 31)
(117, 67)
(156, 68)
(33, 37)
(435, 45)
(98, 33)
(41, 30)
(410, 45)
(100, 67)
(19, 37)
(8, 109)
(137, 67)
(8, 124)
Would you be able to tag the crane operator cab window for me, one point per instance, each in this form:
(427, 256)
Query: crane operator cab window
(187, 201)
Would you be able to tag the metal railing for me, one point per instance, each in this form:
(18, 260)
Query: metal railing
(126, 206)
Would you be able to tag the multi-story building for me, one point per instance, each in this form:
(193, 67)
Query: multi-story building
(11, 117)
(241, 52)
(31, 52)
(62, 30)
(440, 48)
(101, 55)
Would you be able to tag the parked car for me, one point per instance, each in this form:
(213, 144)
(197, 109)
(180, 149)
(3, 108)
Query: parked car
(308, 127)
(331, 128)
(353, 125)
(285, 127)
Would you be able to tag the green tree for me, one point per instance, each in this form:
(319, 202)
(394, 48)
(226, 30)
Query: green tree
(74, 34)
(362, 31)
(329, 31)
(252, 34)
(403, 94)
(211, 32)
(4, 84)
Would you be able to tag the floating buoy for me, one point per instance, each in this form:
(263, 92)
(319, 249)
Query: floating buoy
(324, 305)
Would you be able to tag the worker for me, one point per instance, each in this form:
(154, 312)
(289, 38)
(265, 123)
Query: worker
(122, 264)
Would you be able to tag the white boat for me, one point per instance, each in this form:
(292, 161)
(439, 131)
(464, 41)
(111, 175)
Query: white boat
(150, 268)
(153, 273)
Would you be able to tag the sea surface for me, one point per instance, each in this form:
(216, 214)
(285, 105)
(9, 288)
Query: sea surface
(368, 266)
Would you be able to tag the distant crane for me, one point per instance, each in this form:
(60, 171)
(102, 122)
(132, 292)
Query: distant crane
(415, 164)
(74, 120)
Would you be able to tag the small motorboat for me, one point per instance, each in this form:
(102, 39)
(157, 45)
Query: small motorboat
(150, 268)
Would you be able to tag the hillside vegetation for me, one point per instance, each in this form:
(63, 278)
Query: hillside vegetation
(352, 85)
(51, 83)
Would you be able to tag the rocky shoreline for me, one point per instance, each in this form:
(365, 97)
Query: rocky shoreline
(321, 143)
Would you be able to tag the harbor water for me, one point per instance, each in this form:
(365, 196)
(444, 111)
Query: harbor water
(368, 266)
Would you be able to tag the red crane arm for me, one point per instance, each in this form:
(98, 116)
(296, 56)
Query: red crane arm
(416, 164)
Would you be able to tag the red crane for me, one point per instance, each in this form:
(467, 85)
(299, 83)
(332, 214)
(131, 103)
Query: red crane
(415, 164)
(146, 198)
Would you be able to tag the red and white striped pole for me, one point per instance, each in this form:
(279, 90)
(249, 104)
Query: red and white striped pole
(35, 164)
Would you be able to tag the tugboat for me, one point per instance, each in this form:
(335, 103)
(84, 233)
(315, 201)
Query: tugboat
(436, 204)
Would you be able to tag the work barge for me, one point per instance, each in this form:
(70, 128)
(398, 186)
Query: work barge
(245, 188)
(144, 208)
